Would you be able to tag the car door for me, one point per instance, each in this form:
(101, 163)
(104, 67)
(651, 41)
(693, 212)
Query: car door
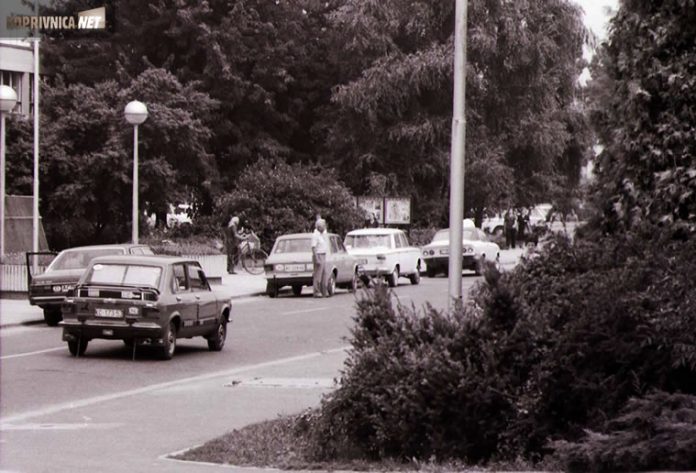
(411, 254)
(348, 261)
(186, 304)
(204, 297)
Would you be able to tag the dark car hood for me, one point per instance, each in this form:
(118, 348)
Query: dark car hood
(58, 276)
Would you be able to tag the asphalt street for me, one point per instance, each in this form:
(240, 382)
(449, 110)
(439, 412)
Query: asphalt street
(104, 412)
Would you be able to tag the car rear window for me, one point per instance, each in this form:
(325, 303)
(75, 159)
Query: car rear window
(443, 235)
(293, 245)
(368, 241)
(125, 275)
(79, 259)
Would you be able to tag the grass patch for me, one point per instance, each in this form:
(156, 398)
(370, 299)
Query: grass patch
(285, 443)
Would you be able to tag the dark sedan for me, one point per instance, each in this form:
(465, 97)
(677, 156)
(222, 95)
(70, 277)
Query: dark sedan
(48, 290)
(147, 300)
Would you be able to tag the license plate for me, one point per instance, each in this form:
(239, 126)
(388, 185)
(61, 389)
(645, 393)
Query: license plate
(444, 252)
(111, 313)
(107, 332)
(294, 268)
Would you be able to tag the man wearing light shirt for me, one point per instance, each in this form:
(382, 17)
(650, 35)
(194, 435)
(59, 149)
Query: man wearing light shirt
(320, 246)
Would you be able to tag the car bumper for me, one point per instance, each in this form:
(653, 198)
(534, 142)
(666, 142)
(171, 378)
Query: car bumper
(468, 262)
(374, 271)
(111, 330)
(281, 280)
(46, 301)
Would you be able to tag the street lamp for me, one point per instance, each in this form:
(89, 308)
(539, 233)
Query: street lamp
(136, 113)
(8, 99)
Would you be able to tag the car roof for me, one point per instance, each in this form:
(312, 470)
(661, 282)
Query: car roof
(375, 231)
(155, 260)
(290, 236)
(100, 247)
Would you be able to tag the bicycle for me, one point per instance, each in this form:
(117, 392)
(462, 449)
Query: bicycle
(251, 256)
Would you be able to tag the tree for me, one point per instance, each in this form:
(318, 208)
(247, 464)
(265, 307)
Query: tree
(643, 110)
(393, 114)
(87, 150)
(275, 198)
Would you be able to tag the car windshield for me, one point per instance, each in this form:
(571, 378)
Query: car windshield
(368, 241)
(443, 235)
(293, 245)
(125, 275)
(79, 259)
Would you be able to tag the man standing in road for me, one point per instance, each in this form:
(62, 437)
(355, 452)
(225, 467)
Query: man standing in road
(232, 240)
(319, 249)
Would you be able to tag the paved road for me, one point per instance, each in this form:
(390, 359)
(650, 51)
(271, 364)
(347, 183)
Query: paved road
(104, 412)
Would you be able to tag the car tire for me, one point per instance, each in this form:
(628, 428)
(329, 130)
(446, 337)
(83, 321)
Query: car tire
(271, 290)
(353, 287)
(331, 285)
(415, 277)
(169, 339)
(297, 290)
(217, 341)
(78, 347)
(393, 278)
(52, 316)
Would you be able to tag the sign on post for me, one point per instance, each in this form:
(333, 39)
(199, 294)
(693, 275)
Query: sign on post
(397, 211)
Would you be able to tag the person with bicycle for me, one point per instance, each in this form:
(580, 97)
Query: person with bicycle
(233, 237)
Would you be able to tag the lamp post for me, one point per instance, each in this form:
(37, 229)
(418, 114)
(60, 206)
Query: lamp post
(8, 99)
(136, 113)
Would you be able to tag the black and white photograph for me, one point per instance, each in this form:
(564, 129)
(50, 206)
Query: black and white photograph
(441, 236)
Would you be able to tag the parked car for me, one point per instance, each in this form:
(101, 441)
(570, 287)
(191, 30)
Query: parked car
(538, 216)
(179, 214)
(48, 290)
(384, 252)
(144, 300)
(290, 264)
(475, 250)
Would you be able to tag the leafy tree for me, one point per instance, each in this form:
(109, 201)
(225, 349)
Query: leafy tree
(87, 150)
(274, 198)
(393, 114)
(643, 111)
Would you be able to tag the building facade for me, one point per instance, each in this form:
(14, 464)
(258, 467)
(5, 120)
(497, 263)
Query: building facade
(17, 71)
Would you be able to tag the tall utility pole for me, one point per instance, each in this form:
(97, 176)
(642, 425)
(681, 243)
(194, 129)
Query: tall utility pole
(35, 211)
(456, 216)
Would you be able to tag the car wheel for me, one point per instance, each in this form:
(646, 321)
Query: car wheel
(393, 278)
(271, 290)
(78, 348)
(217, 341)
(169, 339)
(52, 316)
(297, 290)
(353, 287)
(415, 277)
(331, 285)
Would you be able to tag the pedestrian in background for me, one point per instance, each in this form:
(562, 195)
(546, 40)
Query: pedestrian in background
(232, 240)
(320, 246)
(522, 227)
(510, 226)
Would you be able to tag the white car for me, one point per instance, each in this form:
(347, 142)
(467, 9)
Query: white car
(495, 225)
(476, 248)
(384, 252)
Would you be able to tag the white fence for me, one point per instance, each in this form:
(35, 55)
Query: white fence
(13, 277)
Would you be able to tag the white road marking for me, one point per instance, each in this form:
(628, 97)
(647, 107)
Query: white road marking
(31, 353)
(292, 383)
(304, 311)
(153, 387)
(60, 426)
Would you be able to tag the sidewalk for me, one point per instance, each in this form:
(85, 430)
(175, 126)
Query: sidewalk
(17, 311)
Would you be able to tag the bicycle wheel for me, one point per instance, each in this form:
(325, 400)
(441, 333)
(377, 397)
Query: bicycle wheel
(253, 260)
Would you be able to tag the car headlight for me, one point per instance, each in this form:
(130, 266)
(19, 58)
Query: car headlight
(279, 267)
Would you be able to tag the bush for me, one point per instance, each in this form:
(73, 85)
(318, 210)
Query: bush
(542, 353)
(654, 432)
(192, 246)
(274, 198)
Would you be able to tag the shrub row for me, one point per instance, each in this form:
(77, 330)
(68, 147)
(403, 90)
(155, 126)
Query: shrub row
(542, 353)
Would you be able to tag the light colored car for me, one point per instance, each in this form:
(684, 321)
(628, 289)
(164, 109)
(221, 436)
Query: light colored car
(290, 264)
(495, 224)
(475, 250)
(384, 252)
